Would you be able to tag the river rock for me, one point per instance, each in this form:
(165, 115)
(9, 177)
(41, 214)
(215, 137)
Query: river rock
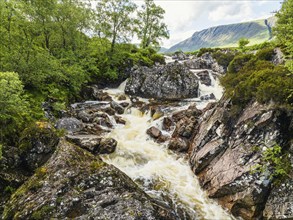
(167, 123)
(169, 82)
(70, 124)
(204, 77)
(75, 184)
(222, 154)
(208, 97)
(178, 145)
(89, 142)
(154, 132)
(107, 146)
(117, 107)
(37, 143)
(206, 61)
(122, 97)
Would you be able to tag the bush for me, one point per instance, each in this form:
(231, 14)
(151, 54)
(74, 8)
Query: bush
(238, 62)
(14, 111)
(258, 80)
(223, 58)
(265, 54)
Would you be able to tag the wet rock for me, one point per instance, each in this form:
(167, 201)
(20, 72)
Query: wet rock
(167, 123)
(103, 120)
(70, 124)
(88, 142)
(119, 120)
(168, 82)
(102, 96)
(122, 97)
(117, 107)
(222, 155)
(163, 138)
(154, 132)
(85, 117)
(77, 184)
(208, 97)
(107, 146)
(206, 61)
(124, 104)
(178, 145)
(204, 77)
(89, 92)
(109, 110)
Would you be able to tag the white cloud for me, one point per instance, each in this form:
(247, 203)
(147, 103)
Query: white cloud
(231, 12)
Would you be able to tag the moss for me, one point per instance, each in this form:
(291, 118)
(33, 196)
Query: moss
(96, 165)
(42, 213)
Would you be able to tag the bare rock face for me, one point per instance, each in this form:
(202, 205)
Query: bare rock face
(223, 154)
(169, 82)
(75, 184)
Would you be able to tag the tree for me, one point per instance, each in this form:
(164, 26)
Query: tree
(284, 26)
(14, 109)
(115, 20)
(243, 42)
(151, 27)
(284, 30)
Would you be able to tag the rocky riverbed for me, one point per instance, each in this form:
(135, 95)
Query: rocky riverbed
(171, 126)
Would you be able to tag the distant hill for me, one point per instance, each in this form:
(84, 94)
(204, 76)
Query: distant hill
(227, 35)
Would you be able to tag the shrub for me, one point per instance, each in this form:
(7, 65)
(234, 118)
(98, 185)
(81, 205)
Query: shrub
(238, 62)
(14, 111)
(265, 54)
(223, 58)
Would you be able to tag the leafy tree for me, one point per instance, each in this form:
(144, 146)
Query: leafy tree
(150, 26)
(115, 20)
(14, 111)
(243, 42)
(284, 26)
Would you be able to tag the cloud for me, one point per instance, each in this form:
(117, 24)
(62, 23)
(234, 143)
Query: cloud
(231, 12)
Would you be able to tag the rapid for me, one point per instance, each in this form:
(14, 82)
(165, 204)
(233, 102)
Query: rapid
(158, 171)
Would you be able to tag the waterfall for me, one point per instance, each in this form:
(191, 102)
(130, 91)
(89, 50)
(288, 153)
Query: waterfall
(156, 169)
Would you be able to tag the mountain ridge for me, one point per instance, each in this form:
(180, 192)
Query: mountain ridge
(256, 31)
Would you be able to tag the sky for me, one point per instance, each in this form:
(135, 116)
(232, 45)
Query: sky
(184, 17)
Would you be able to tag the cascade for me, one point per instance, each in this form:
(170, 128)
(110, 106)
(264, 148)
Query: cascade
(156, 169)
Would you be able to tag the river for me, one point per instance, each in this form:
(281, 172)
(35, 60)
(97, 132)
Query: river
(161, 173)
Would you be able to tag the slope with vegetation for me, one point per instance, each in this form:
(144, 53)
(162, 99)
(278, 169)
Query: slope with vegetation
(227, 35)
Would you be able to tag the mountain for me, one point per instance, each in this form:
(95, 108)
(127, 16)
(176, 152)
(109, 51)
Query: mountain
(256, 31)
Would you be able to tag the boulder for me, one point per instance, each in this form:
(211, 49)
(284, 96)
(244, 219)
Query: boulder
(204, 77)
(178, 145)
(154, 132)
(169, 82)
(117, 107)
(70, 124)
(75, 184)
(107, 146)
(37, 143)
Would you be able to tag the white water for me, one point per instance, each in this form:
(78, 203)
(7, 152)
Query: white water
(155, 168)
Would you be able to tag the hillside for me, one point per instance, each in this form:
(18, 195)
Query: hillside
(227, 35)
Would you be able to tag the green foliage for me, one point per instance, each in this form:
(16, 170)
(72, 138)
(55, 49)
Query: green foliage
(277, 162)
(115, 20)
(249, 78)
(238, 62)
(14, 111)
(223, 59)
(42, 213)
(243, 42)
(265, 54)
(150, 24)
(284, 26)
